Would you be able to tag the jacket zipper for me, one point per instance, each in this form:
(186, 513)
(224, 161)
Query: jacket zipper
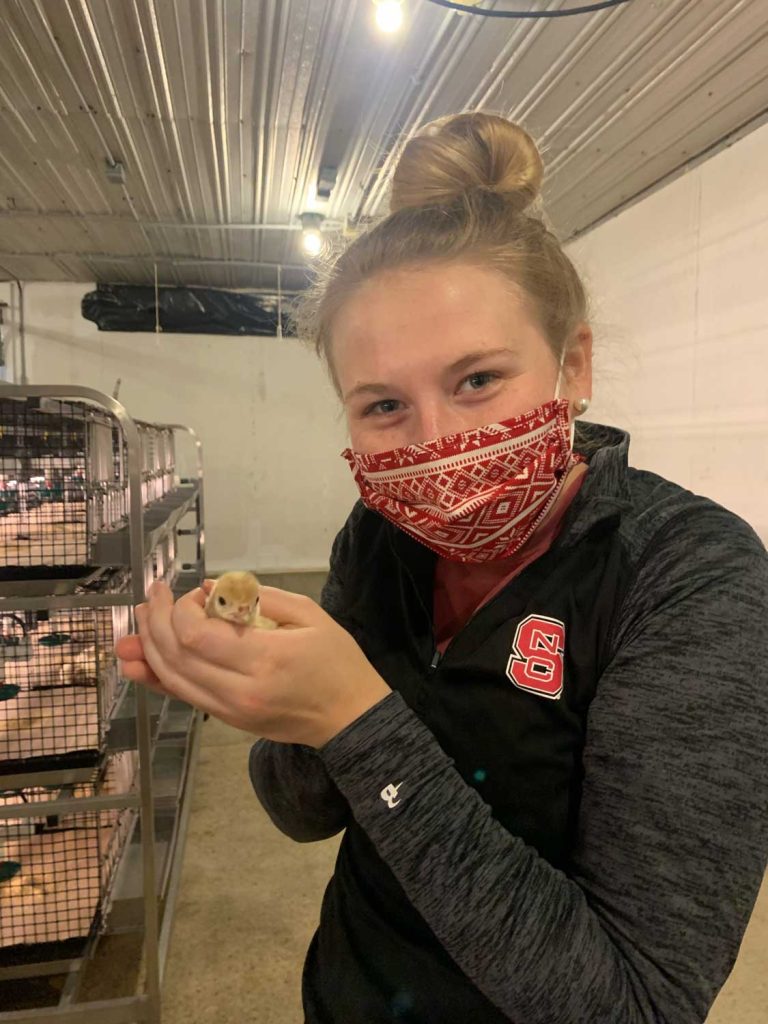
(437, 657)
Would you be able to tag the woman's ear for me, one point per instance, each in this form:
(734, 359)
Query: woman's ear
(578, 363)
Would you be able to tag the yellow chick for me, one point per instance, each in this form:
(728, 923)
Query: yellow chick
(235, 598)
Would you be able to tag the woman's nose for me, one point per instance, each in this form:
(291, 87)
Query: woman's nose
(436, 421)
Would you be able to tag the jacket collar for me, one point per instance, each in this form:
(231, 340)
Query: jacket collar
(605, 492)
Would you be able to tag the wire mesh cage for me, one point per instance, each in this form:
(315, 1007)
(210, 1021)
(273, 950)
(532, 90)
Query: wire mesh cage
(158, 461)
(57, 870)
(64, 478)
(162, 562)
(60, 480)
(59, 678)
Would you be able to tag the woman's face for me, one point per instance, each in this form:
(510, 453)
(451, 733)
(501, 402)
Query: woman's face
(419, 353)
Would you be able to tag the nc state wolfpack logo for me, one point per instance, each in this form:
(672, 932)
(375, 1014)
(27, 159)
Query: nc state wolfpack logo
(536, 661)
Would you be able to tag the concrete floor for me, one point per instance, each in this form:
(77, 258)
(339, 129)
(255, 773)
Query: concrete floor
(248, 904)
(250, 899)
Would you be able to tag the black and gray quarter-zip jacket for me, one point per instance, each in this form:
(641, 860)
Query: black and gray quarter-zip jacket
(591, 858)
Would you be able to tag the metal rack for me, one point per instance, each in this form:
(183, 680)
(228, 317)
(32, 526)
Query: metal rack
(94, 772)
(61, 866)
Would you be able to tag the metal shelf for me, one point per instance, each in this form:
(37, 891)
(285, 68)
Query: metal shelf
(174, 759)
(160, 519)
(187, 580)
(167, 718)
(48, 777)
(55, 587)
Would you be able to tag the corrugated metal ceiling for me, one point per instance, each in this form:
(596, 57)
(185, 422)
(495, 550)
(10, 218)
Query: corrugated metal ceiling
(223, 111)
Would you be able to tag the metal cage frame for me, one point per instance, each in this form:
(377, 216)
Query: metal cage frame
(135, 546)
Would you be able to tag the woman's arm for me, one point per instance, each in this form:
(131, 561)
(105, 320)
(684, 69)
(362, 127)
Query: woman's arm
(673, 828)
(295, 790)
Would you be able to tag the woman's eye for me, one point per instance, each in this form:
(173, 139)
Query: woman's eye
(222, 602)
(382, 408)
(477, 381)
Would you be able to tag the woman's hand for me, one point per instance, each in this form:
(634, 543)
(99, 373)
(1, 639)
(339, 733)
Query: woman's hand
(302, 683)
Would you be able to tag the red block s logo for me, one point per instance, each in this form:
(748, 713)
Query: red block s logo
(536, 661)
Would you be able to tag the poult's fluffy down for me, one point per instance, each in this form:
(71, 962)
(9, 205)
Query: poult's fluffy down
(235, 598)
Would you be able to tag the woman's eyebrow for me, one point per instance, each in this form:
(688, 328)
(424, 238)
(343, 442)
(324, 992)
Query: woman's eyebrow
(460, 364)
(361, 389)
(473, 357)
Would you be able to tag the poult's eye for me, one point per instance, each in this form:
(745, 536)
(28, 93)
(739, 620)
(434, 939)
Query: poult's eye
(222, 602)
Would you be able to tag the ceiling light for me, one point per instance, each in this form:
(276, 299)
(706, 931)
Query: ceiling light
(115, 172)
(312, 243)
(311, 236)
(389, 15)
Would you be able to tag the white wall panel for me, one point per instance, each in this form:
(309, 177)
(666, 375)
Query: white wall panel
(270, 423)
(681, 288)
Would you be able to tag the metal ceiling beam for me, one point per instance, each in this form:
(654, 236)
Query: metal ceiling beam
(222, 112)
(106, 257)
(113, 218)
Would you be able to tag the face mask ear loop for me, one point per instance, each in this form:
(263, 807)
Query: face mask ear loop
(559, 375)
(557, 393)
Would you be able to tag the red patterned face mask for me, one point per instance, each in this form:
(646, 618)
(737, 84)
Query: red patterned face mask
(477, 495)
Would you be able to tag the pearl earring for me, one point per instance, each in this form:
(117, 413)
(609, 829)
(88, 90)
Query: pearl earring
(581, 405)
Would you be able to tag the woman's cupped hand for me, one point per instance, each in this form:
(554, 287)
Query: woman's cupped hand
(301, 683)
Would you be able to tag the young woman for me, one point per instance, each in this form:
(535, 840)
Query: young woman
(535, 694)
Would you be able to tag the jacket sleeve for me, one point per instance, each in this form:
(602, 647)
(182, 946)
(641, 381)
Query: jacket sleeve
(290, 779)
(646, 924)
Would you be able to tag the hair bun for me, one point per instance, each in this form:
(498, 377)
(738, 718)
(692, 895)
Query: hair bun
(464, 152)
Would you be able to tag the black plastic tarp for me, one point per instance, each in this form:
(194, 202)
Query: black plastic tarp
(128, 307)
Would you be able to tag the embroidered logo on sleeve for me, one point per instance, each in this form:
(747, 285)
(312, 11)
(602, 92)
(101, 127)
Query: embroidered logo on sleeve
(536, 662)
(389, 793)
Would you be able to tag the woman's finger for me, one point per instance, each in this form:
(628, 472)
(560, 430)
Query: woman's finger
(178, 684)
(179, 632)
(198, 595)
(140, 672)
(213, 642)
(188, 615)
(174, 642)
(128, 648)
(155, 618)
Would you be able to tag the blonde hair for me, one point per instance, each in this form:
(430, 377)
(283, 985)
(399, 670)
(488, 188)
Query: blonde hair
(462, 191)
